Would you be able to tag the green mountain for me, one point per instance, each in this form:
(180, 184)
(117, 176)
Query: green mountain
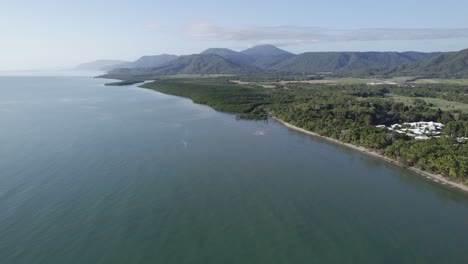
(100, 65)
(419, 56)
(347, 62)
(264, 51)
(267, 56)
(270, 62)
(189, 64)
(233, 56)
(263, 56)
(445, 65)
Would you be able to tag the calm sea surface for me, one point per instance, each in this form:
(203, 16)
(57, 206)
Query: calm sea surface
(95, 174)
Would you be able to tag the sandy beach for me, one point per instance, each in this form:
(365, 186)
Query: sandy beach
(435, 177)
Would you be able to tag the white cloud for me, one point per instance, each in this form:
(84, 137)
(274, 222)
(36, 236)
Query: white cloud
(294, 35)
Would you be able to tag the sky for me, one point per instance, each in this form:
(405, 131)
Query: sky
(53, 34)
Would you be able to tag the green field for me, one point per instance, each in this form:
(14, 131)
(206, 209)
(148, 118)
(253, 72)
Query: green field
(443, 81)
(195, 76)
(402, 80)
(354, 80)
(444, 105)
(351, 80)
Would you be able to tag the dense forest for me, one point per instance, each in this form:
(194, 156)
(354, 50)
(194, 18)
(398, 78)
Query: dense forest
(348, 113)
(445, 65)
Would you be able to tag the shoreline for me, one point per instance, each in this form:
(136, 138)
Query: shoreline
(434, 177)
(437, 178)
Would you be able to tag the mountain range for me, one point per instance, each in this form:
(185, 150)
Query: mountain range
(188, 64)
(270, 59)
(445, 65)
(347, 62)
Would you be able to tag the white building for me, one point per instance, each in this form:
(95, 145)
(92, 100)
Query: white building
(417, 130)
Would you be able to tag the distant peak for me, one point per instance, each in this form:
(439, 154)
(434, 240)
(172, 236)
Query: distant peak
(265, 50)
(265, 46)
(218, 50)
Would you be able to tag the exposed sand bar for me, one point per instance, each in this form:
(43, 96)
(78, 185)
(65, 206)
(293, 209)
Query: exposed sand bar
(435, 177)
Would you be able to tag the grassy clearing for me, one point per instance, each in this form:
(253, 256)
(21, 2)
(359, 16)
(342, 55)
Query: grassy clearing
(400, 79)
(443, 81)
(195, 76)
(444, 105)
(368, 80)
(354, 80)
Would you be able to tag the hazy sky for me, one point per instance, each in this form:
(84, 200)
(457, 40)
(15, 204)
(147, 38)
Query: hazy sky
(61, 33)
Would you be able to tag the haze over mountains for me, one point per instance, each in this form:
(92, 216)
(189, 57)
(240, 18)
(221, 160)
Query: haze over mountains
(268, 59)
(100, 65)
(142, 62)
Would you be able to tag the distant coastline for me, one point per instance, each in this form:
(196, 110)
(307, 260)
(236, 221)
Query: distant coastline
(435, 177)
(124, 83)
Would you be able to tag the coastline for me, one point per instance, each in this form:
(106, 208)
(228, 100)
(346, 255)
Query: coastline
(435, 177)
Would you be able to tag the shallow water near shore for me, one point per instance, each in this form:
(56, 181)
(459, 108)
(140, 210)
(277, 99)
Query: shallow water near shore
(96, 174)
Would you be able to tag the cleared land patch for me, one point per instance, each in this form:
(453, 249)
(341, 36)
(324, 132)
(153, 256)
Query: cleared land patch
(444, 105)
(443, 81)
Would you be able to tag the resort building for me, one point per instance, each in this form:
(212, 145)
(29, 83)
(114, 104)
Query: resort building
(417, 130)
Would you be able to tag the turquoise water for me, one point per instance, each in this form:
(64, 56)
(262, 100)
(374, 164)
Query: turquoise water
(95, 174)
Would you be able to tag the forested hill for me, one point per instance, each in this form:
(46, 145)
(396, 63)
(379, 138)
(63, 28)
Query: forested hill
(450, 64)
(190, 64)
(272, 58)
(263, 56)
(265, 50)
(347, 62)
(233, 56)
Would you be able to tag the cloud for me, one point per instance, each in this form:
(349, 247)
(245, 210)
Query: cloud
(294, 35)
